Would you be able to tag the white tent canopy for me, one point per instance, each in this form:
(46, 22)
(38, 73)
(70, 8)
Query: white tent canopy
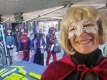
(32, 8)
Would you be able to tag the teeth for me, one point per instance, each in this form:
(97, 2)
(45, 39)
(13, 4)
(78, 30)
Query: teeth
(84, 42)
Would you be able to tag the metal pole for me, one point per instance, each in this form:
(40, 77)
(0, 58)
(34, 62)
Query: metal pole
(4, 44)
(46, 13)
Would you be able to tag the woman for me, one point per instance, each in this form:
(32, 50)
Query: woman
(82, 30)
(10, 41)
(50, 40)
(21, 31)
(38, 45)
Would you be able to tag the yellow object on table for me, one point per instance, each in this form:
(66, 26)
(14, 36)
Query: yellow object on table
(9, 72)
(13, 76)
(22, 71)
(24, 78)
(35, 75)
(17, 66)
(3, 71)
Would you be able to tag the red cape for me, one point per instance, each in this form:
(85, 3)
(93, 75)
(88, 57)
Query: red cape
(62, 68)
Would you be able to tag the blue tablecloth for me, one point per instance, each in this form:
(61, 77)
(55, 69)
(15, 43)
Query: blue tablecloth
(29, 67)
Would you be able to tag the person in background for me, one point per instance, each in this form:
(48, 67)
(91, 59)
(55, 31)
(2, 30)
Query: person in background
(104, 49)
(21, 31)
(10, 41)
(15, 37)
(24, 46)
(82, 30)
(50, 40)
(38, 45)
(1, 37)
(64, 54)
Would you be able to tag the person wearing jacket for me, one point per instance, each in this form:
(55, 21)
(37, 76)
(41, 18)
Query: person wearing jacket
(15, 37)
(82, 30)
(10, 41)
(38, 45)
(24, 46)
(50, 40)
(1, 37)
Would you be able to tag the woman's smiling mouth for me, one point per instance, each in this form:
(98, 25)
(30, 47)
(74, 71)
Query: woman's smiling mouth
(84, 41)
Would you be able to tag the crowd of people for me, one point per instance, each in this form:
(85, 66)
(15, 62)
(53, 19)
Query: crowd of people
(39, 45)
(25, 45)
(13, 39)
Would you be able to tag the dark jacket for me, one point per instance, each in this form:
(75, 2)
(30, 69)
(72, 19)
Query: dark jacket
(9, 40)
(1, 37)
(15, 36)
(89, 60)
(69, 68)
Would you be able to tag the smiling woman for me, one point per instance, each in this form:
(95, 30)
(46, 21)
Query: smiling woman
(82, 30)
(83, 38)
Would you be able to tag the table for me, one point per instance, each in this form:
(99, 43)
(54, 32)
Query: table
(29, 67)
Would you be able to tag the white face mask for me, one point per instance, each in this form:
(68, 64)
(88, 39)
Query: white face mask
(84, 25)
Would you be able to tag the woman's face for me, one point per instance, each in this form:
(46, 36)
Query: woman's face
(85, 42)
(16, 29)
(52, 31)
(9, 31)
(22, 30)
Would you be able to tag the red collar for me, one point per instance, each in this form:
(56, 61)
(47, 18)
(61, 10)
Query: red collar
(100, 69)
(62, 68)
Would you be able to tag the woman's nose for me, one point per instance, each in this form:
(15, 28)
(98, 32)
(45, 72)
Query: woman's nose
(84, 34)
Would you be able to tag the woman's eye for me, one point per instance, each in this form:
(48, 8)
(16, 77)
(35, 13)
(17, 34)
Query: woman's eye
(72, 29)
(88, 25)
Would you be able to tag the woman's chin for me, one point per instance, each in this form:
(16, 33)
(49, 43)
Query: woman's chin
(86, 51)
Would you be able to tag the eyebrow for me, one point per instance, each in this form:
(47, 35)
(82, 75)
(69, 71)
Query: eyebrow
(89, 24)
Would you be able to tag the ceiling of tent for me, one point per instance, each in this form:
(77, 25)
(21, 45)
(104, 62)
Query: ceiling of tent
(31, 9)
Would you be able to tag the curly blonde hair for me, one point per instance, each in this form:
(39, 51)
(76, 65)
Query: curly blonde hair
(77, 14)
